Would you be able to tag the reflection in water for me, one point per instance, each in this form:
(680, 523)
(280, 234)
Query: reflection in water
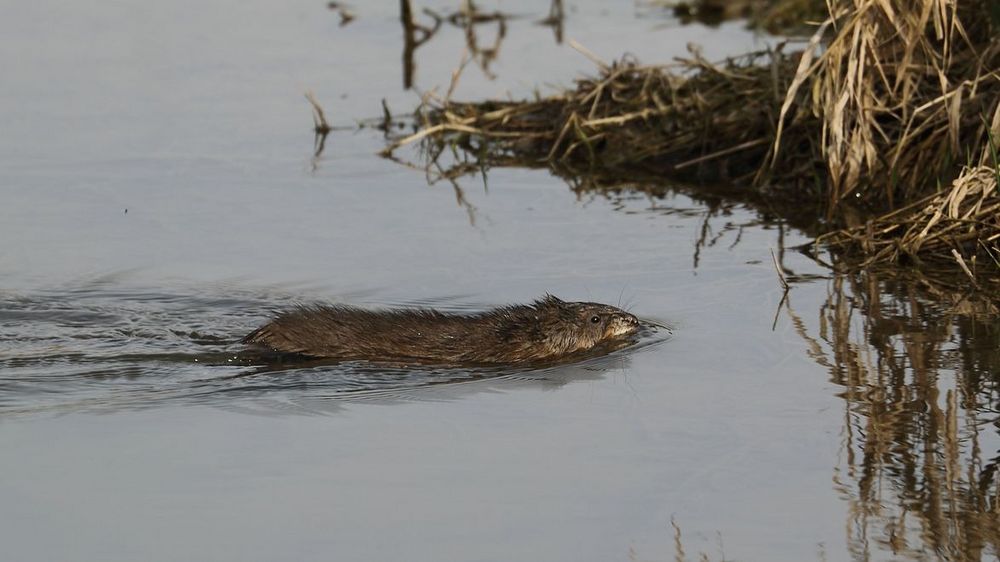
(414, 35)
(320, 127)
(708, 12)
(918, 464)
(469, 18)
(345, 12)
(104, 349)
(555, 20)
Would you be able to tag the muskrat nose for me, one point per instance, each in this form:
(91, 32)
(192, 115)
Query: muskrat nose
(629, 320)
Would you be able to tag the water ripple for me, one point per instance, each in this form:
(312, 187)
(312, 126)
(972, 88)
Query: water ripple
(101, 348)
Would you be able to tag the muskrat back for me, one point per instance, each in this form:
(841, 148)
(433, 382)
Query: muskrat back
(546, 329)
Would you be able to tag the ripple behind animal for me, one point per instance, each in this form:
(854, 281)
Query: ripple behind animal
(545, 330)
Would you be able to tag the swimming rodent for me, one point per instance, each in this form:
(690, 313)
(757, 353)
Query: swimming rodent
(544, 330)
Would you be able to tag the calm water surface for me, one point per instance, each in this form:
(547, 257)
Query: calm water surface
(161, 199)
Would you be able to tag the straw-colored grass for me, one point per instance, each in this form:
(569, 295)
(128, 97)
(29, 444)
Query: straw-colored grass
(902, 89)
(960, 225)
(889, 101)
(693, 119)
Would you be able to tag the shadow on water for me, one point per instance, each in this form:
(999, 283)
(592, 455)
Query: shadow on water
(920, 445)
(102, 349)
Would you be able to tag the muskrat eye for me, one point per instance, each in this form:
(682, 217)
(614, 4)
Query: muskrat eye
(595, 319)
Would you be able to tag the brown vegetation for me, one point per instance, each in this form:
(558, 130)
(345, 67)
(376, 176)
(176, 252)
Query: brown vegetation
(887, 103)
(915, 372)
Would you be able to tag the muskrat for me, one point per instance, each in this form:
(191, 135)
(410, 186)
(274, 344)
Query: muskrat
(542, 331)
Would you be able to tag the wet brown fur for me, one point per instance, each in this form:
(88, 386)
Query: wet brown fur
(546, 329)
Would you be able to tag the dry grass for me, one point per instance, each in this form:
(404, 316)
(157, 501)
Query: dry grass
(911, 104)
(693, 119)
(960, 225)
(902, 89)
(887, 102)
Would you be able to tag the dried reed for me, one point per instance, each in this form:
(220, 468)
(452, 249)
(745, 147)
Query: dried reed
(888, 101)
(694, 119)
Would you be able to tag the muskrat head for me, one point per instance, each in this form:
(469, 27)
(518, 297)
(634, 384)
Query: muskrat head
(577, 326)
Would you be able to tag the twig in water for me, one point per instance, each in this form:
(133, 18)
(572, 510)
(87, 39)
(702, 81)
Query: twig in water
(319, 118)
(386, 117)
(777, 311)
(781, 275)
(961, 262)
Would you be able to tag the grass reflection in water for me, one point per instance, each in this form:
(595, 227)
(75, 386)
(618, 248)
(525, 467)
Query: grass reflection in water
(919, 455)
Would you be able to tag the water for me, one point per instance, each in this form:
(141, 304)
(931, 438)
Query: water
(109, 350)
(161, 199)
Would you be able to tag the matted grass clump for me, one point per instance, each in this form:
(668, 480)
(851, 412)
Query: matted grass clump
(689, 120)
(960, 224)
(879, 112)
